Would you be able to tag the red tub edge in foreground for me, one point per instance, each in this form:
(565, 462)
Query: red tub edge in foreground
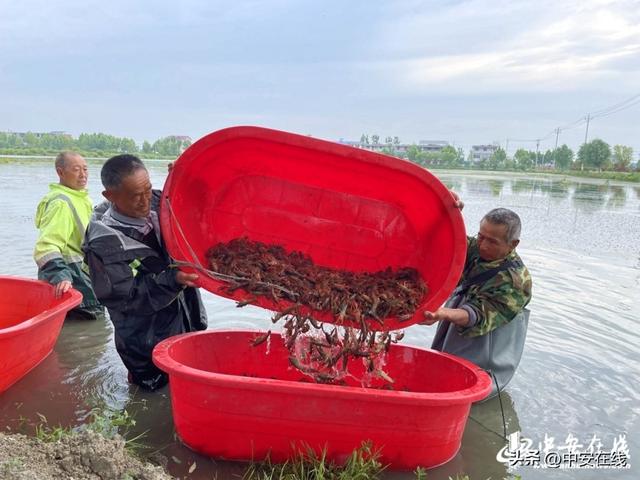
(26, 344)
(244, 418)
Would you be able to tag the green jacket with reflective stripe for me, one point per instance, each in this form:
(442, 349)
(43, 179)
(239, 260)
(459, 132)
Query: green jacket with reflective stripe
(62, 217)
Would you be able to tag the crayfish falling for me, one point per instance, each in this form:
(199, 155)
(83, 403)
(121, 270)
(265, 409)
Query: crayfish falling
(353, 299)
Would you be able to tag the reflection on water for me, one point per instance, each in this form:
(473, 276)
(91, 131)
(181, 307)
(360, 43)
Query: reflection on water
(557, 189)
(522, 185)
(77, 376)
(87, 352)
(454, 184)
(588, 196)
(579, 370)
(478, 186)
(617, 196)
(496, 187)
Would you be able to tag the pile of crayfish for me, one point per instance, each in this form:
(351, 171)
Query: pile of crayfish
(354, 300)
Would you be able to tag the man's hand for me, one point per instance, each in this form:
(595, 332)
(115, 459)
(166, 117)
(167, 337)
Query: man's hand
(458, 203)
(62, 288)
(186, 279)
(432, 317)
(457, 316)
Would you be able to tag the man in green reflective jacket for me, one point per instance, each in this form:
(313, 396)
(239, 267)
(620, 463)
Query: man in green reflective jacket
(62, 217)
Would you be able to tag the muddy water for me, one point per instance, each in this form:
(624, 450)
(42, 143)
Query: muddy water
(579, 373)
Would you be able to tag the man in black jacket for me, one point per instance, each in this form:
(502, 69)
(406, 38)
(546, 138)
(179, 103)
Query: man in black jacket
(129, 266)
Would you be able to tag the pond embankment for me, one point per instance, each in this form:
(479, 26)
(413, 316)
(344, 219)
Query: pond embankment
(84, 455)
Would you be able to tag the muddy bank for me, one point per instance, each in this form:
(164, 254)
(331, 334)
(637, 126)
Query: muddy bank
(81, 456)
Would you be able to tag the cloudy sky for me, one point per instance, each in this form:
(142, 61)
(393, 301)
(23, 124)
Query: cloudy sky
(468, 72)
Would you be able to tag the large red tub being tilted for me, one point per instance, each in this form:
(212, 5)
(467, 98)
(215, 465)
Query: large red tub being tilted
(235, 401)
(30, 321)
(348, 208)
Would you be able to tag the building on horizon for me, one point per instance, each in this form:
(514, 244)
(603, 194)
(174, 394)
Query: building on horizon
(481, 153)
(181, 138)
(431, 146)
(39, 134)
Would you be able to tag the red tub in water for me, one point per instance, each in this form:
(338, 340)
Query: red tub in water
(348, 208)
(235, 401)
(30, 322)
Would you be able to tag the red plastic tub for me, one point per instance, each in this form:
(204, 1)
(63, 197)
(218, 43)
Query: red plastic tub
(347, 208)
(235, 401)
(30, 322)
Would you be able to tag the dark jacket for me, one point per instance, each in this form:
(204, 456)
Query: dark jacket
(131, 276)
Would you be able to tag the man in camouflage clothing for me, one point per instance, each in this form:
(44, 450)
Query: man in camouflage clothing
(485, 320)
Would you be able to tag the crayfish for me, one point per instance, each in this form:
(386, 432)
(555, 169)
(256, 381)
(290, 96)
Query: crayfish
(293, 281)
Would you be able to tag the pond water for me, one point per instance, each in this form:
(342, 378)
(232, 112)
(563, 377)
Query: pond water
(578, 376)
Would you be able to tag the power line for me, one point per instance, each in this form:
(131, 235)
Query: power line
(601, 113)
(611, 112)
(618, 107)
(612, 107)
(548, 135)
(571, 125)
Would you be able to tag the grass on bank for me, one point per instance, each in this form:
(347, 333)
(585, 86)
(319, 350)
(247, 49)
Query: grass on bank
(363, 464)
(105, 421)
(48, 433)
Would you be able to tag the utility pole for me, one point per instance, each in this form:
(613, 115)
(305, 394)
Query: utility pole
(586, 133)
(537, 147)
(506, 148)
(555, 150)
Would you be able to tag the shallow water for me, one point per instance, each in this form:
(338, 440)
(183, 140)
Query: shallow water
(579, 373)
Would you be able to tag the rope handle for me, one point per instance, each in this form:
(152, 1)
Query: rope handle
(210, 273)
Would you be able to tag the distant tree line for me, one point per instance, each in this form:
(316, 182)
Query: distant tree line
(596, 156)
(96, 144)
(448, 157)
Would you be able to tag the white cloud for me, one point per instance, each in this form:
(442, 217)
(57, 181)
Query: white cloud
(571, 45)
(466, 70)
(530, 69)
